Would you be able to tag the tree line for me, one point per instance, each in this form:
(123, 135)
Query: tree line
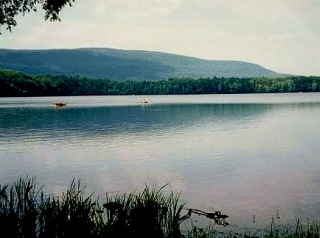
(17, 84)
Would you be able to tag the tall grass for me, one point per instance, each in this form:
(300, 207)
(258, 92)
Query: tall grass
(26, 212)
(147, 214)
(71, 215)
(19, 208)
(308, 230)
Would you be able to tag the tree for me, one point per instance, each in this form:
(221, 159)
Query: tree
(9, 9)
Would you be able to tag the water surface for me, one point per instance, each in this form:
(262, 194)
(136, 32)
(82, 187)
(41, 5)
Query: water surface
(246, 155)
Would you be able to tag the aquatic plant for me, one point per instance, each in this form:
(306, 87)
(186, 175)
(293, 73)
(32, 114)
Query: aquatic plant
(19, 208)
(146, 214)
(71, 215)
(27, 212)
(309, 230)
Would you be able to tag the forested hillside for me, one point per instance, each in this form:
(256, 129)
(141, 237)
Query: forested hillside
(125, 65)
(14, 83)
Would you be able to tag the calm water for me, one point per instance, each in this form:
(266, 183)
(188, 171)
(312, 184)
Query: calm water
(242, 154)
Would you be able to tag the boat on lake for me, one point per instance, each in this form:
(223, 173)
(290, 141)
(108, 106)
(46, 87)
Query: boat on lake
(59, 104)
(144, 101)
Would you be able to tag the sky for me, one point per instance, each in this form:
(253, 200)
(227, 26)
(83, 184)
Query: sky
(281, 35)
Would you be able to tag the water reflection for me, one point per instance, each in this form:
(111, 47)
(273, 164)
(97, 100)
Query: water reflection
(94, 121)
(243, 159)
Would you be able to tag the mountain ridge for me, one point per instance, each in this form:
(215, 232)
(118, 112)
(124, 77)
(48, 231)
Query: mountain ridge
(121, 65)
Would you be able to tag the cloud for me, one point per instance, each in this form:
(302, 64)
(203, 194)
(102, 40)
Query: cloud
(274, 33)
(130, 9)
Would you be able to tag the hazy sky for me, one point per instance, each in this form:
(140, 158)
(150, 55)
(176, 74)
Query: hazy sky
(282, 35)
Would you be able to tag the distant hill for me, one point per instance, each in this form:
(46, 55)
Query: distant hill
(125, 64)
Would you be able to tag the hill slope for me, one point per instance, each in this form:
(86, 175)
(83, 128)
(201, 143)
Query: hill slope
(125, 64)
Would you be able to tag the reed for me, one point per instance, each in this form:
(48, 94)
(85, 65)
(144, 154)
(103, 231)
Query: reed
(68, 216)
(207, 232)
(26, 212)
(19, 208)
(146, 214)
(300, 230)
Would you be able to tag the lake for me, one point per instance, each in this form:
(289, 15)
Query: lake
(253, 155)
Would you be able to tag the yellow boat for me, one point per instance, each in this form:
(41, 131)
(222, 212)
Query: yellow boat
(59, 104)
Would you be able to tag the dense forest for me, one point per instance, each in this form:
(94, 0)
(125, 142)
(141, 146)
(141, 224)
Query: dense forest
(14, 83)
(124, 65)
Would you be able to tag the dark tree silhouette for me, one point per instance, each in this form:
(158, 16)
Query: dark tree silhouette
(17, 84)
(9, 9)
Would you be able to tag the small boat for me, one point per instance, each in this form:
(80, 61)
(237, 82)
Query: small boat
(59, 104)
(144, 101)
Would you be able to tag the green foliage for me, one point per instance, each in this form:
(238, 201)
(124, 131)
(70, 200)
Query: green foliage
(18, 84)
(9, 9)
(123, 65)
